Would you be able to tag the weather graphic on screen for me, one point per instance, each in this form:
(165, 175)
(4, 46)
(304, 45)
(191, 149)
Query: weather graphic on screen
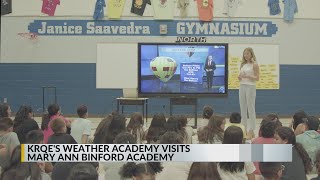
(163, 68)
(182, 68)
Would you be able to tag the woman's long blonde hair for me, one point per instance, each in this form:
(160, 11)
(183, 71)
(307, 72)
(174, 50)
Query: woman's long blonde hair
(252, 54)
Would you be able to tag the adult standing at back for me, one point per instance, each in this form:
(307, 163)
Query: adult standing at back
(249, 74)
(81, 127)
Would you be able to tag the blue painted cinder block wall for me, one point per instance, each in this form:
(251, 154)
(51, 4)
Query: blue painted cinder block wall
(76, 84)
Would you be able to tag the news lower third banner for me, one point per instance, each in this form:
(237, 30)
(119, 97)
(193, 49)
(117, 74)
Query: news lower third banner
(156, 152)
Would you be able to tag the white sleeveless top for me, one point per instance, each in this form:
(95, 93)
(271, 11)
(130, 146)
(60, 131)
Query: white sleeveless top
(247, 69)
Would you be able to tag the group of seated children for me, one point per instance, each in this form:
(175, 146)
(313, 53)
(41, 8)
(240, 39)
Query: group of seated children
(213, 129)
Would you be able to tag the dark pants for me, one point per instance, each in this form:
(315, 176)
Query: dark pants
(209, 79)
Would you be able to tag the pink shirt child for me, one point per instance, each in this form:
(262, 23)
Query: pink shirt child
(48, 132)
(261, 140)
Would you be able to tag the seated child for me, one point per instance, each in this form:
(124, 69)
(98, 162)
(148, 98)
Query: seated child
(83, 171)
(204, 170)
(17, 170)
(267, 131)
(60, 136)
(37, 137)
(135, 127)
(271, 170)
(317, 164)
(3, 149)
(156, 129)
(235, 120)
(213, 132)
(53, 113)
(81, 127)
(206, 114)
(140, 171)
(8, 139)
(273, 118)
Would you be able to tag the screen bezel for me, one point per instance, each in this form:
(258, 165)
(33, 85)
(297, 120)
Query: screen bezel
(158, 94)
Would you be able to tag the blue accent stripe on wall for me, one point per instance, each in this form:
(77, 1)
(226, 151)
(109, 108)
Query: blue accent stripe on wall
(76, 84)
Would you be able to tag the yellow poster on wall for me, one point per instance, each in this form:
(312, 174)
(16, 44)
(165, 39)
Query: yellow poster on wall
(268, 59)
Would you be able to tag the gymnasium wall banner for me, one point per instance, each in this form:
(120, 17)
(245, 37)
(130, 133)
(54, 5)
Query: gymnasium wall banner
(152, 28)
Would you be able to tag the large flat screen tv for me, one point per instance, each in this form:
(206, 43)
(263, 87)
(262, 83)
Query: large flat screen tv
(169, 69)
